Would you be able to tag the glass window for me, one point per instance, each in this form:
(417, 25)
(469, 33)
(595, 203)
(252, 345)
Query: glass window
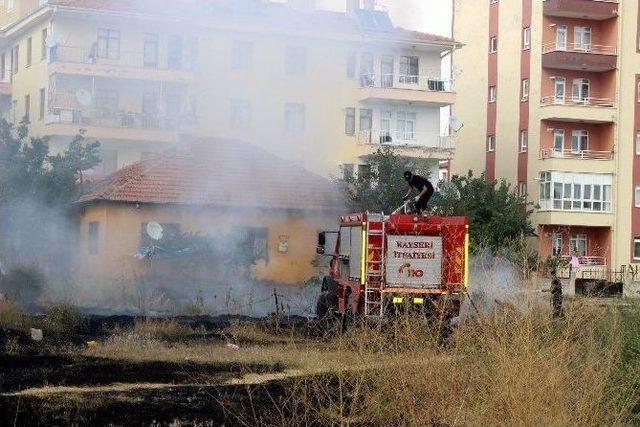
(491, 143)
(638, 142)
(406, 126)
(579, 140)
(636, 248)
(526, 38)
(409, 69)
(349, 121)
(150, 50)
(351, 65)
(578, 243)
(42, 104)
(525, 89)
(559, 85)
(29, 51)
(385, 126)
(240, 114)
(108, 44)
(557, 244)
(493, 93)
(367, 79)
(558, 140)
(493, 45)
(524, 140)
(347, 171)
(296, 60)
(561, 37)
(366, 119)
(241, 55)
(637, 196)
(27, 107)
(43, 44)
(93, 237)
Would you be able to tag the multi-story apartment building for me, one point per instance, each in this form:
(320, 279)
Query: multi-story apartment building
(318, 87)
(550, 101)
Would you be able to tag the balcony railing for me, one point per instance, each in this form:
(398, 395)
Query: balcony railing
(121, 119)
(400, 81)
(586, 260)
(579, 48)
(586, 102)
(131, 59)
(405, 139)
(550, 153)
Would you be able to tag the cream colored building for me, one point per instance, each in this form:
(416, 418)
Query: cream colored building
(321, 88)
(549, 96)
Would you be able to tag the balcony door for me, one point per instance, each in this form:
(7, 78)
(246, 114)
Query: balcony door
(560, 89)
(580, 91)
(579, 141)
(409, 69)
(578, 244)
(386, 69)
(561, 37)
(557, 244)
(385, 127)
(406, 126)
(582, 38)
(558, 140)
(367, 78)
(174, 54)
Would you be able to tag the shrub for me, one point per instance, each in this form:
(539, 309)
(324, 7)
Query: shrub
(11, 316)
(167, 330)
(22, 283)
(66, 319)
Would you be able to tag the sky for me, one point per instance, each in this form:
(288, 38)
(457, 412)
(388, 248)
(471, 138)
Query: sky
(430, 16)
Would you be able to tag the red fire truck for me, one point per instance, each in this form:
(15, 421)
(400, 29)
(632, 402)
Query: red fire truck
(382, 263)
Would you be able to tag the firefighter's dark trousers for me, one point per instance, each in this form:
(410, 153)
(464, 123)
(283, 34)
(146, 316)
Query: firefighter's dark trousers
(421, 204)
(556, 305)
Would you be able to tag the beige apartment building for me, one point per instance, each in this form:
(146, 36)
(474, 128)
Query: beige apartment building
(549, 94)
(324, 89)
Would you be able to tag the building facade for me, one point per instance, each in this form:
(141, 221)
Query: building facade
(324, 89)
(549, 96)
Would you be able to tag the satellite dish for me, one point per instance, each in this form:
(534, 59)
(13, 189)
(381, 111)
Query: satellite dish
(154, 230)
(53, 40)
(83, 97)
(455, 124)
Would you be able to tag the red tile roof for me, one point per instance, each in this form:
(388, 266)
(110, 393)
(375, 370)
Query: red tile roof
(217, 173)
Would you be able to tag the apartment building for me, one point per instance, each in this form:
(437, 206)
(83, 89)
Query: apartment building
(549, 94)
(324, 89)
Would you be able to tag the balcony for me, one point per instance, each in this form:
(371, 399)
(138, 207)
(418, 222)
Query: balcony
(117, 125)
(584, 9)
(579, 57)
(427, 91)
(584, 110)
(74, 60)
(546, 153)
(409, 144)
(583, 161)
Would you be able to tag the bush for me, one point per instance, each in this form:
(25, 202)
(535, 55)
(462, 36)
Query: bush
(11, 317)
(65, 319)
(167, 330)
(22, 283)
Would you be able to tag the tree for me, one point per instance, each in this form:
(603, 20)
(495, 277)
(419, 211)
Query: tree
(497, 215)
(381, 186)
(36, 194)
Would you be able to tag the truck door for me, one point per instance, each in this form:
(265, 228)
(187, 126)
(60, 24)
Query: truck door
(350, 253)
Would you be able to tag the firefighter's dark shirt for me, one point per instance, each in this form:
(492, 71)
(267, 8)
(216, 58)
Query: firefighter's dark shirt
(556, 287)
(419, 183)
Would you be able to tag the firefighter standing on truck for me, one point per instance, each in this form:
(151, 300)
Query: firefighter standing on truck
(423, 186)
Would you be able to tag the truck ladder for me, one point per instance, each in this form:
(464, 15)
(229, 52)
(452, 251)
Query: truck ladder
(374, 265)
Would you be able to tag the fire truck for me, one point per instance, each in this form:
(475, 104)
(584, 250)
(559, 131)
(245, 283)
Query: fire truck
(381, 264)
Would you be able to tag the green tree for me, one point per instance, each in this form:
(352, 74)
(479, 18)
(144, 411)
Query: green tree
(380, 187)
(497, 215)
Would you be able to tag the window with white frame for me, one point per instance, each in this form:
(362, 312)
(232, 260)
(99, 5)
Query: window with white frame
(578, 244)
(636, 247)
(637, 196)
(493, 93)
(559, 84)
(580, 90)
(579, 141)
(491, 143)
(240, 114)
(561, 37)
(525, 89)
(582, 38)
(10, 5)
(638, 142)
(524, 140)
(522, 189)
(108, 44)
(406, 126)
(294, 118)
(349, 121)
(558, 140)
(556, 244)
(575, 192)
(526, 38)
(295, 60)
(638, 91)
(493, 44)
(409, 69)
(385, 127)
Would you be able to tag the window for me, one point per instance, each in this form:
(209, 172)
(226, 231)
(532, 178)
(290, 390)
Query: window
(558, 140)
(387, 70)
(491, 143)
(526, 38)
(108, 44)
(349, 121)
(367, 79)
(386, 118)
(493, 45)
(406, 126)
(106, 102)
(366, 119)
(580, 90)
(582, 38)
(578, 244)
(42, 104)
(522, 189)
(150, 103)
(561, 37)
(347, 171)
(27, 107)
(493, 93)
(296, 60)
(556, 247)
(575, 191)
(108, 161)
(636, 247)
(254, 241)
(43, 44)
(15, 59)
(559, 89)
(638, 91)
(351, 65)
(638, 142)
(294, 118)
(579, 141)
(3, 66)
(10, 5)
(524, 140)
(241, 56)
(93, 237)
(14, 111)
(409, 69)
(240, 114)
(637, 197)
(150, 50)
(29, 51)
(525, 89)
(174, 53)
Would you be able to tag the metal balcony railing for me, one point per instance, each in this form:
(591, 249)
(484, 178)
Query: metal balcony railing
(130, 59)
(579, 48)
(550, 153)
(121, 119)
(586, 260)
(404, 139)
(402, 81)
(575, 101)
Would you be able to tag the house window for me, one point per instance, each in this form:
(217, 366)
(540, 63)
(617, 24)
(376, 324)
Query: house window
(366, 119)
(240, 114)
(491, 143)
(493, 1)
(93, 237)
(526, 38)
(580, 90)
(386, 118)
(42, 104)
(525, 89)
(387, 68)
(556, 248)
(29, 51)
(575, 191)
(351, 65)
(406, 126)
(27, 107)
(409, 69)
(150, 48)
(10, 5)
(14, 111)
(241, 55)
(493, 93)
(493, 45)
(638, 91)
(347, 171)
(174, 53)
(582, 38)
(558, 140)
(524, 140)
(254, 240)
(559, 89)
(638, 142)
(349, 121)
(579, 141)
(43, 44)
(15, 58)
(294, 118)
(3, 65)
(367, 79)
(561, 37)
(108, 161)
(108, 44)
(522, 189)
(578, 243)
(296, 60)
(636, 248)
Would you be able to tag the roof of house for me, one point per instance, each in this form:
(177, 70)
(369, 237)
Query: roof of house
(215, 172)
